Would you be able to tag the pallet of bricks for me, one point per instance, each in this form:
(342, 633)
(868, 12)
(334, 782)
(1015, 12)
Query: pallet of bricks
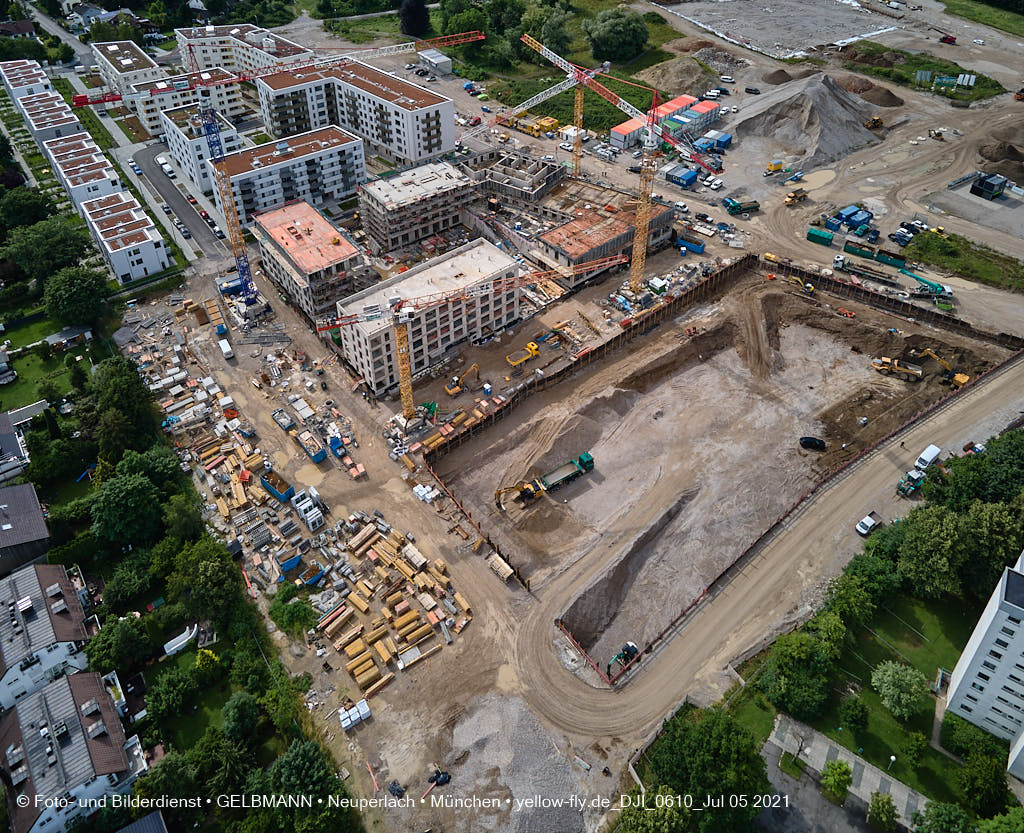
(395, 605)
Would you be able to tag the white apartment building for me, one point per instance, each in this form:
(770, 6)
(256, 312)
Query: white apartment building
(42, 636)
(24, 78)
(987, 685)
(368, 346)
(48, 116)
(66, 741)
(123, 64)
(127, 238)
(310, 260)
(398, 120)
(81, 168)
(151, 98)
(186, 140)
(418, 203)
(321, 165)
(239, 47)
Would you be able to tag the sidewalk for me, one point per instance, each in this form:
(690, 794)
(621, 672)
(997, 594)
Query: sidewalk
(815, 750)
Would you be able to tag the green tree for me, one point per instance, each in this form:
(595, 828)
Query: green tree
(1012, 821)
(660, 812)
(157, 12)
(707, 752)
(913, 747)
(126, 510)
(836, 777)
(853, 715)
(882, 815)
(903, 689)
(76, 295)
(795, 675)
(130, 579)
(120, 646)
(875, 570)
(182, 518)
(830, 632)
(219, 764)
(414, 18)
(942, 818)
(23, 207)
(849, 598)
(992, 542)
(172, 776)
(291, 614)
(158, 464)
(982, 781)
(206, 581)
(242, 716)
(79, 375)
(65, 53)
(616, 35)
(48, 390)
(113, 432)
(932, 553)
(116, 383)
(169, 692)
(46, 247)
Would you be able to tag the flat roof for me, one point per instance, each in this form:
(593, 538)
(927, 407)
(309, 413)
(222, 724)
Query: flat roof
(119, 221)
(469, 264)
(187, 115)
(627, 127)
(705, 106)
(22, 73)
(247, 34)
(417, 184)
(306, 237)
(586, 232)
(124, 56)
(192, 79)
(363, 77)
(287, 150)
(1014, 591)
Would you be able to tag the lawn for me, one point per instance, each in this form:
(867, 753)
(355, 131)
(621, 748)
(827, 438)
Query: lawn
(30, 333)
(90, 121)
(31, 371)
(752, 710)
(968, 259)
(168, 45)
(1012, 22)
(261, 138)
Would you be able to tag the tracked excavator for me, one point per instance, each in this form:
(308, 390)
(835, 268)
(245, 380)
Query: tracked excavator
(455, 386)
(624, 657)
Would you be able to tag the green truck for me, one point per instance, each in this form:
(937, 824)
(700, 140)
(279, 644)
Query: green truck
(816, 235)
(528, 490)
(734, 207)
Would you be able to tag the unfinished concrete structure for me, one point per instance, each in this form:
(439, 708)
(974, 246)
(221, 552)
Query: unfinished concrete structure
(241, 47)
(310, 260)
(369, 347)
(515, 178)
(419, 203)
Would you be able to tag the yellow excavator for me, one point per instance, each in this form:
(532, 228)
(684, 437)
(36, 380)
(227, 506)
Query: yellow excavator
(873, 123)
(806, 287)
(897, 367)
(957, 380)
(527, 491)
(455, 386)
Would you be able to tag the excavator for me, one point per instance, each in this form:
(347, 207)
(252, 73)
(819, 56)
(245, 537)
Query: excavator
(455, 386)
(806, 287)
(957, 380)
(624, 657)
(874, 123)
(525, 491)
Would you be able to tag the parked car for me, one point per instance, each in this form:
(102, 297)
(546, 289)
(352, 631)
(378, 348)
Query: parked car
(735, 109)
(634, 169)
(186, 233)
(410, 66)
(704, 218)
(753, 91)
(192, 200)
(166, 208)
(218, 232)
(473, 122)
(812, 443)
(716, 185)
(727, 79)
(474, 93)
(565, 146)
(203, 214)
(485, 108)
(637, 154)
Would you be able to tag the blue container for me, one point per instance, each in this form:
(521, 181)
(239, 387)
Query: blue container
(703, 145)
(833, 223)
(696, 248)
(861, 218)
(684, 178)
(723, 141)
(848, 212)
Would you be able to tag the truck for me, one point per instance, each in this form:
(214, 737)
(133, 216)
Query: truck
(734, 207)
(816, 235)
(528, 490)
(897, 367)
(795, 196)
(225, 348)
(532, 350)
(868, 524)
(283, 418)
(932, 288)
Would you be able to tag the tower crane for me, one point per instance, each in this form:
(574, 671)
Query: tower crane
(653, 131)
(403, 310)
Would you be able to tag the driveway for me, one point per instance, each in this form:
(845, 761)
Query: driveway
(202, 237)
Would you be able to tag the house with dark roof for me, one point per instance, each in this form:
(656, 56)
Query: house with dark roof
(13, 453)
(43, 627)
(18, 29)
(24, 536)
(65, 742)
(153, 823)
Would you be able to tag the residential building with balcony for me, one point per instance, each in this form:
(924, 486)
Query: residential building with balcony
(23, 77)
(399, 121)
(48, 116)
(216, 88)
(182, 128)
(238, 47)
(418, 203)
(317, 166)
(81, 168)
(123, 64)
(310, 260)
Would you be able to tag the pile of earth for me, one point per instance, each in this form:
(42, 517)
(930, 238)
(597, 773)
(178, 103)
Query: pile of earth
(859, 54)
(1005, 153)
(813, 118)
(681, 75)
(719, 60)
(870, 91)
(779, 76)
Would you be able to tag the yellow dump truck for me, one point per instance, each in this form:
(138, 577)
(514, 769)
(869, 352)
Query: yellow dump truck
(532, 350)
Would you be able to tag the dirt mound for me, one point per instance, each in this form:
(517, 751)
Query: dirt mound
(719, 60)
(854, 83)
(681, 75)
(860, 54)
(806, 73)
(815, 119)
(1000, 152)
(779, 76)
(1011, 170)
(882, 97)
(689, 44)
(1013, 134)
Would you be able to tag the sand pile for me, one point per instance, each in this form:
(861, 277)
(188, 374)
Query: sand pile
(1005, 153)
(814, 118)
(779, 76)
(869, 91)
(681, 75)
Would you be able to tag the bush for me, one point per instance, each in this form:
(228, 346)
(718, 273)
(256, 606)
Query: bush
(963, 739)
(854, 714)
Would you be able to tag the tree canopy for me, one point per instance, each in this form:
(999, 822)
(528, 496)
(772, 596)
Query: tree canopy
(414, 18)
(46, 247)
(126, 510)
(617, 34)
(120, 645)
(903, 689)
(75, 295)
(795, 675)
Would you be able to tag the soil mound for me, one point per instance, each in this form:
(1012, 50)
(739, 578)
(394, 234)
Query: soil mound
(680, 74)
(719, 60)
(882, 97)
(815, 119)
(1000, 152)
(779, 76)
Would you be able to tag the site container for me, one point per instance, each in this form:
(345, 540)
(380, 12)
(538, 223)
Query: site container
(847, 212)
(833, 223)
(855, 247)
(816, 235)
(897, 260)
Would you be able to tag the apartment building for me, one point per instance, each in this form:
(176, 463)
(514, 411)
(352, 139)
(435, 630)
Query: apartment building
(317, 166)
(418, 203)
(123, 64)
(987, 684)
(42, 636)
(48, 116)
(368, 346)
(240, 47)
(186, 140)
(398, 120)
(127, 238)
(81, 168)
(152, 98)
(64, 749)
(310, 260)
(24, 77)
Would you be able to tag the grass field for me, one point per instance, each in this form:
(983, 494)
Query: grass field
(1008, 21)
(969, 260)
(32, 332)
(90, 121)
(31, 371)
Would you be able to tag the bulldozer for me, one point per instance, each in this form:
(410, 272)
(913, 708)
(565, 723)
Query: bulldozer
(456, 385)
(949, 376)
(889, 366)
(874, 123)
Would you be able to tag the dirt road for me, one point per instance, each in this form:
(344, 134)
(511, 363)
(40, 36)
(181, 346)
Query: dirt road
(766, 593)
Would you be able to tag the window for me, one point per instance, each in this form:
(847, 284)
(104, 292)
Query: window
(977, 687)
(1002, 643)
(964, 707)
(995, 655)
(1013, 619)
(991, 666)
(1007, 631)
(972, 698)
(983, 676)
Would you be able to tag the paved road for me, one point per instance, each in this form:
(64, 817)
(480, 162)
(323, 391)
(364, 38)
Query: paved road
(764, 593)
(202, 236)
(47, 24)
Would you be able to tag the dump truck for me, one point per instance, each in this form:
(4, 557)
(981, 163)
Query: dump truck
(532, 350)
(1019, 95)
(910, 483)
(795, 196)
(528, 490)
(734, 207)
(896, 367)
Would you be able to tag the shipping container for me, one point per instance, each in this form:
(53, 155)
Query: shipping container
(833, 224)
(855, 247)
(848, 212)
(892, 259)
(816, 235)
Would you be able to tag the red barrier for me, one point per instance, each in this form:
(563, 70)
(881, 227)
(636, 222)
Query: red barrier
(578, 647)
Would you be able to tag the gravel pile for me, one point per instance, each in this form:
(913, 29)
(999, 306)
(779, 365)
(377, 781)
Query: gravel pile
(719, 60)
(779, 76)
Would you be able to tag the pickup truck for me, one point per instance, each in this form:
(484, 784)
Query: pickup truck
(869, 523)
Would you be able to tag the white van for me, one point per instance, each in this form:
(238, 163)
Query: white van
(225, 348)
(714, 95)
(928, 456)
(727, 79)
